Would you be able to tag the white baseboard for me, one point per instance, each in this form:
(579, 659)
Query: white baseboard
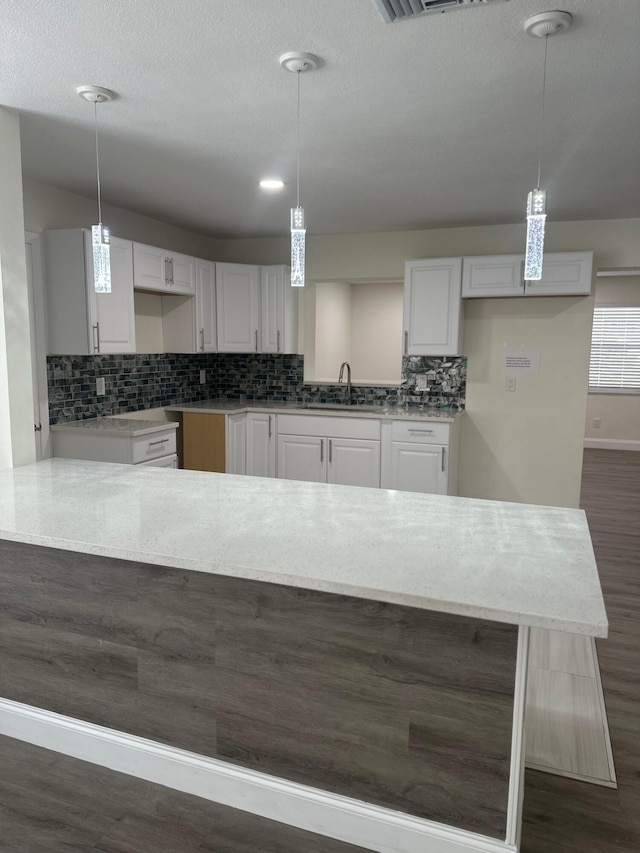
(352, 821)
(612, 443)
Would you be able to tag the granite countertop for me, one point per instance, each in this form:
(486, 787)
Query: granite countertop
(381, 412)
(509, 562)
(125, 427)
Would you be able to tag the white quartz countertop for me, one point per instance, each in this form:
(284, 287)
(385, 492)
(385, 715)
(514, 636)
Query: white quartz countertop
(383, 411)
(125, 427)
(508, 562)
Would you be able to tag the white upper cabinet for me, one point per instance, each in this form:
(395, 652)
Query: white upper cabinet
(79, 320)
(206, 332)
(432, 307)
(278, 310)
(492, 275)
(162, 271)
(238, 308)
(563, 274)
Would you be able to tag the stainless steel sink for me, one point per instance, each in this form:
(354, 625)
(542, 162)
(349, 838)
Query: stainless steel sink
(344, 407)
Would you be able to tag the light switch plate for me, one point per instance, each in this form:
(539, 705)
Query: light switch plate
(421, 382)
(100, 389)
(510, 383)
(203, 376)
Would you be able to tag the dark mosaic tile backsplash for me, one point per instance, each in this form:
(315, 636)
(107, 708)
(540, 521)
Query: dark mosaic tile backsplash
(136, 382)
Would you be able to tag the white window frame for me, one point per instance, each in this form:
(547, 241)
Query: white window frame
(614, 389)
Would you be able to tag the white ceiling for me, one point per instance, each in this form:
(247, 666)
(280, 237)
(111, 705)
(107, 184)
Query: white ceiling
(424, 123)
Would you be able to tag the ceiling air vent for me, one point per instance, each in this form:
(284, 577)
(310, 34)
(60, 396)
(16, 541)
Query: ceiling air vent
(402, 10)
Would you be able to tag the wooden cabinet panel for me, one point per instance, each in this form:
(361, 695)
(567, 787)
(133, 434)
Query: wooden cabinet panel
(203, 442)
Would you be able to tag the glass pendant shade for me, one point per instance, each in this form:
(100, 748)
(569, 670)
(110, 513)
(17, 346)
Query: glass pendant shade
(101, 245)
(298, 233)
(536, 216)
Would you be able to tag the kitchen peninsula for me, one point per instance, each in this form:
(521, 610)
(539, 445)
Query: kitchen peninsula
(350, 661)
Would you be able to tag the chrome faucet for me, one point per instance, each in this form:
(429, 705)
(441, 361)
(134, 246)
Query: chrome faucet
(340, 377)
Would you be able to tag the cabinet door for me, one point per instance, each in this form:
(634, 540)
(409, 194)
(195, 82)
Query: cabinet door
(432, 307)
(150, 268)
(111, 315)
(563, 274)
(261, 446)
(419, 468)
(302, 457)
(206, 335)
(236, 444)
(353, 462)
(182, 273)
(278, 310)
(493, 275)
(238, 302)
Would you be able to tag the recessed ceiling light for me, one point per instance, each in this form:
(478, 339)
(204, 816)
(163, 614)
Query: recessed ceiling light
(271, 184)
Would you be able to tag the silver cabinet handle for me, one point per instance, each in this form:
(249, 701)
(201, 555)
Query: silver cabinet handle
(269, 426)
(159, 441)
(443, 453)
(524, 283)
(421, 431)
(202, 339)
(406, 343)
(171, 265)
(330, 451)
(278, 345)
(256, 334)
(167, 281)
(95, 330)
(322, 449)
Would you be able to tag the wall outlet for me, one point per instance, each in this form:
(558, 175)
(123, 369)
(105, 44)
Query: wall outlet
(100, 389)
(421, 382)
(596, 423)
(510, 383)
(203, 376)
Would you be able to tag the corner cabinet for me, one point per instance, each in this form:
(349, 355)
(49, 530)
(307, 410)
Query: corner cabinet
(79, 320)
(432, 307)
(260, 444)
(206, 330)
(563, 274)
(238, 308)
(278, 311)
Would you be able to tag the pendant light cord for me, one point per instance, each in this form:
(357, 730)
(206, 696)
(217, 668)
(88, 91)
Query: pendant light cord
(298, 170)
(544, 88)
(95, 116)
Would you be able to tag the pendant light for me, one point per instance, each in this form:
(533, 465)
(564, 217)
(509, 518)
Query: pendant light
(298, 63)
(100, 238)
(540, 26)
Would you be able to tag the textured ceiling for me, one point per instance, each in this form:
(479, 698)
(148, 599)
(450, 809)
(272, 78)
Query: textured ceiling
(425, 123)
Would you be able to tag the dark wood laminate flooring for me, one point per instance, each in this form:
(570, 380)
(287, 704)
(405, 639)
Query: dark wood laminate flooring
(566, 816)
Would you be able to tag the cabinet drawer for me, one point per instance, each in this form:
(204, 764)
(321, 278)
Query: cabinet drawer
(153, 446)
(420, 432)
(162, 462)
(332, 427)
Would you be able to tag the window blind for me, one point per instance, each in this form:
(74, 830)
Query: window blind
(615, 347)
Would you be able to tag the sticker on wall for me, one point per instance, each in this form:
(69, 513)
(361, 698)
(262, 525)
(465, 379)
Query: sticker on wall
(521, 359)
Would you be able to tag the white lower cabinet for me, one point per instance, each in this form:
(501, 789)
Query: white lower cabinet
(261, 445)
(345, 451)
(163, 462)
(418, 468)
(235, 444)
(420, 456)
(117, 440)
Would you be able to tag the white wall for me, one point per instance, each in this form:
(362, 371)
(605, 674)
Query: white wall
(376, 331)
(50, 207)
(507, 452)
(333, 329)
(17, 444)
(619, 414)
